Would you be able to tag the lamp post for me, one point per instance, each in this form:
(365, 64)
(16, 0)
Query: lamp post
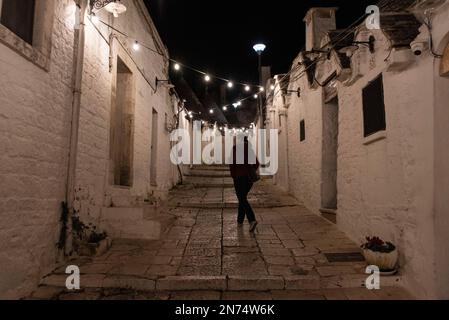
(260, 48)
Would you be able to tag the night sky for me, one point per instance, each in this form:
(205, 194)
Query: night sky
(217, 36)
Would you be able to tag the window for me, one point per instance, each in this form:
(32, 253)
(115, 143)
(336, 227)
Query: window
(26, 26)
(374, 107)
(18, 16)
(302, 131)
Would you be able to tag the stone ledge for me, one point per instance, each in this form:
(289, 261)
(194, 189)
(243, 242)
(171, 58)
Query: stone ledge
(302, 283)
(140, 284)
(246, 283)
(175, 283)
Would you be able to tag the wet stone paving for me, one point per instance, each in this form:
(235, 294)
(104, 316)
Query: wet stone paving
(204, 254)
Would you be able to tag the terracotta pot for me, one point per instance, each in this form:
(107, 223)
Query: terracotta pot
(385, 261)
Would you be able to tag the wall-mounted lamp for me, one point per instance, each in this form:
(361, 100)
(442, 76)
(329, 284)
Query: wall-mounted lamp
(349, 51)
(115, 7)
(287, 92)
(315, 51)
(157, 81)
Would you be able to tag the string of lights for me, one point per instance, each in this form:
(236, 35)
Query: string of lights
(178, 66)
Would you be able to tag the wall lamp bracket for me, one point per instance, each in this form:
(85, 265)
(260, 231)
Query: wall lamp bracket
(370, 43)
(298, 92)
(158, 81)
(99, 4)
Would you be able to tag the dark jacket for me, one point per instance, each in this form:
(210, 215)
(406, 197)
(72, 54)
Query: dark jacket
(242, 170)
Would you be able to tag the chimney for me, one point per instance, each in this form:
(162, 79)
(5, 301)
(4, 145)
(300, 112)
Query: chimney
(318, 22)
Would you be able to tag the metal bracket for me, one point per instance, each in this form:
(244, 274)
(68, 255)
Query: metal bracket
(298, 92)
(157, 81)
(99, 4)
(370, 43)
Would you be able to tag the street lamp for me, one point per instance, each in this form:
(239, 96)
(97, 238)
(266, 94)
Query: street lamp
(113, 6)
(260, 48)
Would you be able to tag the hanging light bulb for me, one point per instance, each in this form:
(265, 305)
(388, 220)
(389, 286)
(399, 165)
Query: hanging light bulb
(177, 67)
(211, 111)
(261, 89)
(116, 8)
(235, 105)
(230, 84)
(247, 88)
(136, 46)
(256, 96)
(207, 78)
(225, 108)
(272, 87)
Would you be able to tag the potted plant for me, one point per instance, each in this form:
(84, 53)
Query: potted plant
(381, 254)
(88, 241)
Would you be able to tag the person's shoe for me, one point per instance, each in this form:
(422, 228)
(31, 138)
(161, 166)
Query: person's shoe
(253, 226)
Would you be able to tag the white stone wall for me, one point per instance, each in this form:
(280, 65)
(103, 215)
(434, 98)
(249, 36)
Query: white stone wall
(35, 117)
(392, 187)
(35, 124)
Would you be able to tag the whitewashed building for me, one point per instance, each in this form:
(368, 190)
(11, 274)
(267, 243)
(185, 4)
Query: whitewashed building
(83, 122)
(365, 142)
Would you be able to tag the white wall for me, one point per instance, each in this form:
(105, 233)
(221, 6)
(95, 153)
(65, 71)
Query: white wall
(34, 123)
(393, 187)
(35, 115)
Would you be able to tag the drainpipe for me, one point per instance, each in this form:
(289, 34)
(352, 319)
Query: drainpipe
(77, 76)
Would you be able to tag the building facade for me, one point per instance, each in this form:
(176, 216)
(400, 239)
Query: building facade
(83, 123)
(363, 127)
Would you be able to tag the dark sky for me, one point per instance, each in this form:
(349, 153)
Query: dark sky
(217, 36)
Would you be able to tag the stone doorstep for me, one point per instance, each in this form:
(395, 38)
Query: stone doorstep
(219, 283)
(221, 205)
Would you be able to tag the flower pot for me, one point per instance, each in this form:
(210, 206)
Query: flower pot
(384, 261)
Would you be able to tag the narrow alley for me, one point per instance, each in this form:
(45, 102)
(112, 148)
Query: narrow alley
(202, 254)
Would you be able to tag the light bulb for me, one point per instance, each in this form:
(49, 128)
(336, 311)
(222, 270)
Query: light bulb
(256, 96)
(177, 67)
(136, 46)
(272, 87)
(211, 111)
(230, 84)
(247, 88)
(225, 108)
(261, 89)
(207, 78)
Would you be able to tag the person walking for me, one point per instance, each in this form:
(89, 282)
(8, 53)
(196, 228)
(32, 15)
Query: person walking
(244, 176)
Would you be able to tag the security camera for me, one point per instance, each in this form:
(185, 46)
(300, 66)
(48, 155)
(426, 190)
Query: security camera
(418, 47)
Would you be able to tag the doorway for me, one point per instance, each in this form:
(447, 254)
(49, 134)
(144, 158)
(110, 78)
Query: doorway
(329, 192)
(154, 147)
(122, 127)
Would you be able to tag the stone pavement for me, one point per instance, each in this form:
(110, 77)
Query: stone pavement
(294, 254)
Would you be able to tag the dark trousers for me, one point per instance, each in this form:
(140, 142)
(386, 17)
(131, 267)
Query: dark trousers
(242, 187)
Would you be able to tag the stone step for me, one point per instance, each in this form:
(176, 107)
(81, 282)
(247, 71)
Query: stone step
(230, 205)
(208, 174)
(219, 283)
(210, 168)
(140, 223)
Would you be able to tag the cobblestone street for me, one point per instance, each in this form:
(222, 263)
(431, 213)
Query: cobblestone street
(294, 254)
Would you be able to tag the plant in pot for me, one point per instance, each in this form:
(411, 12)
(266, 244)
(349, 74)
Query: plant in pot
(88, 241)
(382, 254)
